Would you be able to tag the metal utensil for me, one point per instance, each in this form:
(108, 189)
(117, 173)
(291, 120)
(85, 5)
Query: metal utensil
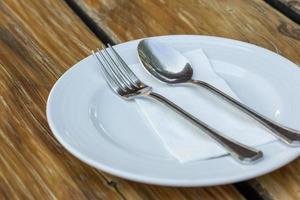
(127, 85)
(170, 66)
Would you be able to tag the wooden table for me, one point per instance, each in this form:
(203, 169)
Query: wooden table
(41, 39)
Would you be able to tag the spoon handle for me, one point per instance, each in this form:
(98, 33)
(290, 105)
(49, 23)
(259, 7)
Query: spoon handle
(287, 135)
(242, 153)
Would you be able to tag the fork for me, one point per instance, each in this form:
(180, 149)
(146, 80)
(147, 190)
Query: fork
(127, 85)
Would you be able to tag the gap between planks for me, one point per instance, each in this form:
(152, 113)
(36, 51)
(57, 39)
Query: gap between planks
(286, 8)
(90, 23)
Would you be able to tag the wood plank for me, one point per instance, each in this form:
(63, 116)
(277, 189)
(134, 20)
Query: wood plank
(252, 21)
(247, 20)
(281, 184)
(132, 190)
(34, 53)
(39, 40)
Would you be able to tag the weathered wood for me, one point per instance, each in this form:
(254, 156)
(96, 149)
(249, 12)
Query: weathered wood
(39, 40)
(252, 21)
(281, 184)
(247, 20)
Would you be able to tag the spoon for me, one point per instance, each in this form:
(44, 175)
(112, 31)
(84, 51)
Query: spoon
(170, 66)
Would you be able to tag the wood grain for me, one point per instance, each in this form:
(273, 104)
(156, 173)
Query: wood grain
(281, 184)
(252, 21)
(247, 20)
(39, 40)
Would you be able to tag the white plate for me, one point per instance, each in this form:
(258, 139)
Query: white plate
(111, 134)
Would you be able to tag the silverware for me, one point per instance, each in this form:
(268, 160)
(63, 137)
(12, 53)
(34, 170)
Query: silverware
(127, 85)
(170, 66)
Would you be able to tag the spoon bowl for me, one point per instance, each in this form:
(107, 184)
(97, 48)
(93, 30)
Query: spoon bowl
(164, 62)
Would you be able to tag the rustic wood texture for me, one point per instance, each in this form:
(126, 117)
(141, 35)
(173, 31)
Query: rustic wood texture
(247, 20)
(39, 40)
(282, 184)
(252, 21)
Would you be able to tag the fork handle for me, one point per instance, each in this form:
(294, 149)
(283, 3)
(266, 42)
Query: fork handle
(242, 153)
(287, 135)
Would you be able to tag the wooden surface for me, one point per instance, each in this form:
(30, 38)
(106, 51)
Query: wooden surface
(39, 41)
(252, 21)
(247, 20)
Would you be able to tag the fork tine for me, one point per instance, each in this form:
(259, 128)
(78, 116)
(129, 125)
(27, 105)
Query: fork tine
(111, 82)
(134, 79)
(111, 71)
(118, 59)
(118, 71)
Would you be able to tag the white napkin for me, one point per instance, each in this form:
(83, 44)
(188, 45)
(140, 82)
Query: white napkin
(182, 139)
